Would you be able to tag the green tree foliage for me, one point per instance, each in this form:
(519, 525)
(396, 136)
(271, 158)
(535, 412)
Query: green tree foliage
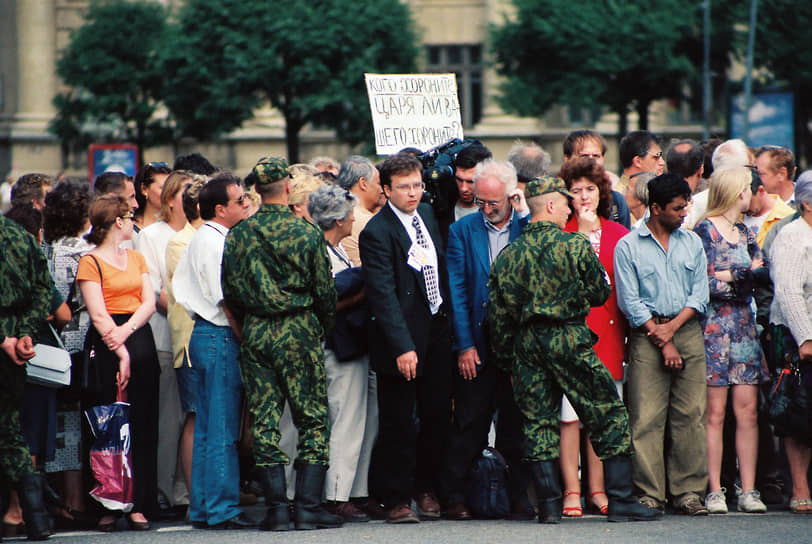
(307, 57)
(784, 46)
(110, 63)
(614, 53)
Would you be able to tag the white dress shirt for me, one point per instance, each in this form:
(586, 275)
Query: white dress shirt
(196, 284)
(406, 220)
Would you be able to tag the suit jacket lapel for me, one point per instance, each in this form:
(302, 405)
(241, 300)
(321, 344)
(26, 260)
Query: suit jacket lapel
(405, 242)
(481, 245)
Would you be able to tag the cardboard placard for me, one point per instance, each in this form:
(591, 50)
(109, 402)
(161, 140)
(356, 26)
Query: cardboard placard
(413, 110)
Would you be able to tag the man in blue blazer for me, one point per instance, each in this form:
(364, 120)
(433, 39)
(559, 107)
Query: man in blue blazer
(409, 344)
(480, 388)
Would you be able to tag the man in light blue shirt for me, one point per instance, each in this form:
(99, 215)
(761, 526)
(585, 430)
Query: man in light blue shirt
(662, 284)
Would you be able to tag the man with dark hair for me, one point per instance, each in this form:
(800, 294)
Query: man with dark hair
(409, 343)
(214, 354)
(708, 147)
(360, 177)
(116, 183)
(196, 163)
(639, 152)
(588, 144)
(464, 167)
(31, 188)
(277, 283)
(686, 158)
(541, 289)
(662, 285)
(26, 286)
(776, 167)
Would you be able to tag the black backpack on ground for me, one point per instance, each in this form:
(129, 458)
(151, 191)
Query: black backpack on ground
(487, 486)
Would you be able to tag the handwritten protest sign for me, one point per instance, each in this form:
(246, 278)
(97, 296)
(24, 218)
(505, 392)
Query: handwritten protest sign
(413, 110)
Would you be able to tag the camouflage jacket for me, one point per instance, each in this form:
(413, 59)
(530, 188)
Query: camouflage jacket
(25, 283)
(546, 274)
(275, 264)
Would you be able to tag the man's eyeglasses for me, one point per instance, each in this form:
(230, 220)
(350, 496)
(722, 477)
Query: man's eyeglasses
(655, 155)
(492, 203)
(157, 165)
(593, 156)
(239, 200)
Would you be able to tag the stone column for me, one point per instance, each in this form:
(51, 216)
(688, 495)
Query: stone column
(36, 54)
(32, 148)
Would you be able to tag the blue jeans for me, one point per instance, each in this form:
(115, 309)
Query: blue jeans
(215, 493)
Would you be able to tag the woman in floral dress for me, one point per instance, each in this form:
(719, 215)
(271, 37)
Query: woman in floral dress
(734, 356)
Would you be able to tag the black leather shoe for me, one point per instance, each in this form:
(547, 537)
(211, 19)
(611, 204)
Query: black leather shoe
(240, 521)
(200, 525)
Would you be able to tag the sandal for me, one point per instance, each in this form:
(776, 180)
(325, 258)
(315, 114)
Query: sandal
(801, 506)
(602, 510)
(573, 511)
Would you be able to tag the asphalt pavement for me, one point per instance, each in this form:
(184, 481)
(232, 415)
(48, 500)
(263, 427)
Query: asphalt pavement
(776, 526)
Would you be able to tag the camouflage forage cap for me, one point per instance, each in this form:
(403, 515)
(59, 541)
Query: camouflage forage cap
(546, 184)
(271, 169)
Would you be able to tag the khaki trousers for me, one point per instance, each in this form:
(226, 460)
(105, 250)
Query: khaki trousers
(660, 399)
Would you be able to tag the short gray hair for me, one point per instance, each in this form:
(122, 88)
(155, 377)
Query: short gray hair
(641, 186)
(353, 169)
(803, 190)
(501, 170)
(730, 154)
(329, 204)
(529, 159)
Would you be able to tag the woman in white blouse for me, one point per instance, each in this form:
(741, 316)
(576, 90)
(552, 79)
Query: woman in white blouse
(791, 271)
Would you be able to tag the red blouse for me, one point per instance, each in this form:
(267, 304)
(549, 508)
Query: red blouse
(607, 321)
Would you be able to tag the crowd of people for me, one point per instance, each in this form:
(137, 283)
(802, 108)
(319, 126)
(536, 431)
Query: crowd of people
(337, 340)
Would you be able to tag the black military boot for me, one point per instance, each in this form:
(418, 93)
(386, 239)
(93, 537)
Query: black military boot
(272, 480)
(623, 505)
(307, 510)
(31, 491)
(3, 499)
(548, 490)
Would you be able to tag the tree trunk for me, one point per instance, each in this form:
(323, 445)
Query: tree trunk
(292, 128)
(642, 114)
(622, 129)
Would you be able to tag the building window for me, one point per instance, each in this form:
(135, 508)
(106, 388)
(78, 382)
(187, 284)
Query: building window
(466, 62)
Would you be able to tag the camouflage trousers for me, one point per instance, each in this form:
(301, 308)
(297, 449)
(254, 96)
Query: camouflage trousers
(282, 359)
(15, 459)
(552, 360)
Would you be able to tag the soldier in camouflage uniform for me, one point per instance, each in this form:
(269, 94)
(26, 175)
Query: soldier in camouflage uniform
(25, 298)
(277, 281)
(541, 289)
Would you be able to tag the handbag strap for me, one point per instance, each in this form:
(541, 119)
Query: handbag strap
(56, 335)
(98, 267)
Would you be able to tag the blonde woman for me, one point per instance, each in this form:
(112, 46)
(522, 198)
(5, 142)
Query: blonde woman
(304, 179)
(152, 243)
(732, 350)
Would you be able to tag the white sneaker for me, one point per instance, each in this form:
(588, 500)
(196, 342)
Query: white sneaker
(715, 502)
(750, 501)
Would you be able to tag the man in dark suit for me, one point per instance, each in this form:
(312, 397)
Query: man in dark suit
(410, 343)
(481, 389)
